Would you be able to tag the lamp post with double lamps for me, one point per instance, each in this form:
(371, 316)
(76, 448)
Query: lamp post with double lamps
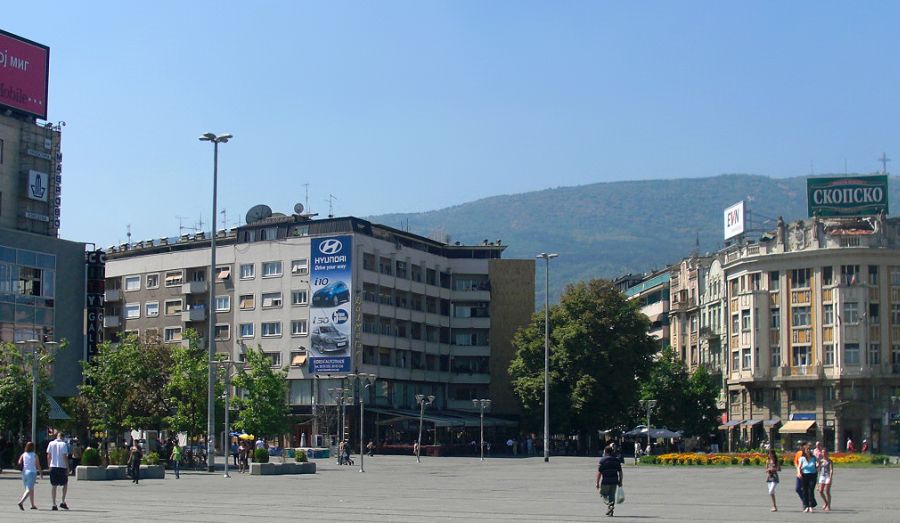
(482, 404)
(422, 400)
(211, 310)
(31, 346)
(362, 381)
(547, 256)
(648, 404)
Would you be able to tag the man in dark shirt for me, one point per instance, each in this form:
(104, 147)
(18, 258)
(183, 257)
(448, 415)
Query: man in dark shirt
(609, 478)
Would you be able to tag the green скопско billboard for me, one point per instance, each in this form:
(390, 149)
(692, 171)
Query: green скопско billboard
(847, 196)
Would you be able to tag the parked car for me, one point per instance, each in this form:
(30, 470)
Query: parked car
(325, 338)
(331, 295)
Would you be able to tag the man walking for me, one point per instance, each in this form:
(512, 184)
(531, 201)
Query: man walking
(57, 458)
(609, 478)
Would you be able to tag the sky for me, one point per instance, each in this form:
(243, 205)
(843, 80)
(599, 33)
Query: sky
(407, 106)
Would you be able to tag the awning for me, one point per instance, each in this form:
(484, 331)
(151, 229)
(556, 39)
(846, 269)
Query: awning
(56, 411)
(730, 424)
(223, 273)
(771, 422)
(797, 427)
(440, 419)
(752, 422)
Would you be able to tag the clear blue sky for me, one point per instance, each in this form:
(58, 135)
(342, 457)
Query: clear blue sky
(419, 105)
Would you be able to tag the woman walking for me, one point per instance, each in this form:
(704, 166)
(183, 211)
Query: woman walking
(826, 474)
(806, 471)
(772, 469)
(29, 463)
(176, 459)
(134, 462)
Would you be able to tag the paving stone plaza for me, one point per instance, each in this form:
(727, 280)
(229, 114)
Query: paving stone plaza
(395, 488)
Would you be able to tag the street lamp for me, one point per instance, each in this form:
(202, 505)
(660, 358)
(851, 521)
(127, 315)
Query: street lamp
(648, 404)
(341, 396)
(364, 381)
(422, 400)
(547, 257)
(24, 345)
(211, 337)
(482, 404)
(228, 365)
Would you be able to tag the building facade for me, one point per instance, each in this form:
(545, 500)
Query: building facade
(652, 292)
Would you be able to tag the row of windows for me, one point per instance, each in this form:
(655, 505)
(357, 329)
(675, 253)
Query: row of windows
(406, 359)
(761, 396)
(406, 271)
(246, 302)
(802, 278)
(246, 271)
(267, 329)
(802, 356)
(801, 316)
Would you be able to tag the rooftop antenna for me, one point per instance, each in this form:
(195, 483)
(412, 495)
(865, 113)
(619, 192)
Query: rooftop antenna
(884, 160)
(182, 227)
(200, 224)
(128, 228)
(331, 199)
(812, 168)
(306, 201)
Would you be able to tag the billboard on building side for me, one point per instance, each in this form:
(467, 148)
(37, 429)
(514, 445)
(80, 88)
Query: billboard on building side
(24, 74)
(847, 196)
(734, 220)
(331, 304)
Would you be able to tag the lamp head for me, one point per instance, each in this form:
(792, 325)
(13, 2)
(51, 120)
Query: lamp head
(430, 399)
(420, 397)
(207, 137)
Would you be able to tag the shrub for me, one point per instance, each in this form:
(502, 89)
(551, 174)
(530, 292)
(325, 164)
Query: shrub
(152, 458)
(261, 455)
(118, 456)
(300, 456)
(90, 457)
(757, 461)
(649, 460)
(745, 461)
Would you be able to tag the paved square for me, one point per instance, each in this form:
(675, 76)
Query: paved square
(395, 488)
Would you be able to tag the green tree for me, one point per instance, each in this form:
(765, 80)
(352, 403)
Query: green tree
(263, 407)
(684, 401)
(15, 389)
(600, 350)
(703, 392)
(187, 388)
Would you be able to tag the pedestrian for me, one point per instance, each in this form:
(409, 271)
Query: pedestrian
(175, 458)
(649, 450)
(57, 458)
(817, 450)
(134, 462)
(609, 478)
(826, 474)
(371, 448)
(637, 451)
(801, 449)
(850, 446)
(806, 471)
(340, 459)
(28, 462)
(235, 451)
(772, 468)
(416, 449)
(76, 451)
(865, 446)
(346, 455)
(244, 457)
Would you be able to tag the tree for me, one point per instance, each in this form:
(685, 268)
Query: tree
(187, 388)
(684, 401)
(600, 350)
(15, 390)
(263, 407)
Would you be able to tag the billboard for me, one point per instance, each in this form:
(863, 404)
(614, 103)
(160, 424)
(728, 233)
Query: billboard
(734, 220)
(24, 74)
(847, 196)
(331, 305)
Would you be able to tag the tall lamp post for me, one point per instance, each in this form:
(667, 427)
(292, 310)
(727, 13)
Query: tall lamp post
(648, 404)
(24, 346)
(482, 404)
(340, 395)
(363, 381)
(422, 400)
(547, 256)
(228, 365)
(211, 312)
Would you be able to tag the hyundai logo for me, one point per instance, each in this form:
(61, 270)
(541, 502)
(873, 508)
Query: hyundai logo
(330, 246)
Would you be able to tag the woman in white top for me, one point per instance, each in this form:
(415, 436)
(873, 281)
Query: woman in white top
(29, 463)
(826, 474)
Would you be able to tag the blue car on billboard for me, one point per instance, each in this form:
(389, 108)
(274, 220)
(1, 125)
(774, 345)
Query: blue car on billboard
(331, 295)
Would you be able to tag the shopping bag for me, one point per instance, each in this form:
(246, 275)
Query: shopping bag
(620, 495)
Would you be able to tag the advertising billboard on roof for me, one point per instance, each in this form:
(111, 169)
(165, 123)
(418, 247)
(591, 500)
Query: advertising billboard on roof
(734, 220)
(24, 73)
(847, 196)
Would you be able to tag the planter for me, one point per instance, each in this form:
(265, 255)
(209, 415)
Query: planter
(116, 472)
(276, 469)
(316, 452)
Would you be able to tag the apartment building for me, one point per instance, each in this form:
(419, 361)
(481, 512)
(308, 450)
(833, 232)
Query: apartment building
(324, 298)
(652, 292)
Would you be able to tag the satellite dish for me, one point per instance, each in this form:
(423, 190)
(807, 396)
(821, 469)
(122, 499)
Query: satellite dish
(298, 208)
(257, 213)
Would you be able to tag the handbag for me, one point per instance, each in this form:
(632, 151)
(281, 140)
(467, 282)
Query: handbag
(620, 495)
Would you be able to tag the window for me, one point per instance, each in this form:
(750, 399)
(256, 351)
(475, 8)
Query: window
(173, 307)
(223, 273)
(246, 330)
(271, 269)
(368, 261)
(827, 275)
(298, 358)
(849, 274)
(828, 314)
(223, 303)
(223, 331)
(829, 393)
(275, 357)
(800, 279)
(801, 317)
(773, 281)
(775, 318)
(298, 328)
(745, 321)
(851, 313)
(776, 356)
(385, 266)
(873, 356)
(746, 359)
(800, 356)
(132, 310)
(828, 354)
(755, 281)
(174, 278)
(151, 309)
(271, 329)
(851, 354)
(401, 270)
(247, 271)
(895, 313)
(153, 281)
(299, 267)
(874, 317)
(873, 275)
(895, 276)
(895, 359)
(172, 334)
(132, 283)
(300, 297)
(271, 300)
(804, 394)
(735, 323)
(247, 302)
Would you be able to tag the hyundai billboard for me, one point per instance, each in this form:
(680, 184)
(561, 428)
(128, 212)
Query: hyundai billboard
(24, 73)
(331, 305)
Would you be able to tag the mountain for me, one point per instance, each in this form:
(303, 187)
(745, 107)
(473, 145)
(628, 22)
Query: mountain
(609, 229)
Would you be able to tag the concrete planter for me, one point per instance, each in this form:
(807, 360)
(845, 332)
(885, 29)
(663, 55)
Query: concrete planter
(115, 472)
(275, 469)
(316, 452)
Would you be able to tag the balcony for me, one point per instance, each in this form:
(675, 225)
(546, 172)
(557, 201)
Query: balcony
(112, 295)
(111, 322)
(707, 333)
(801, 371)
(195, 314)
(193, 287)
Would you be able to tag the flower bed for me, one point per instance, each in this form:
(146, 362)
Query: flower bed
(755, 459)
